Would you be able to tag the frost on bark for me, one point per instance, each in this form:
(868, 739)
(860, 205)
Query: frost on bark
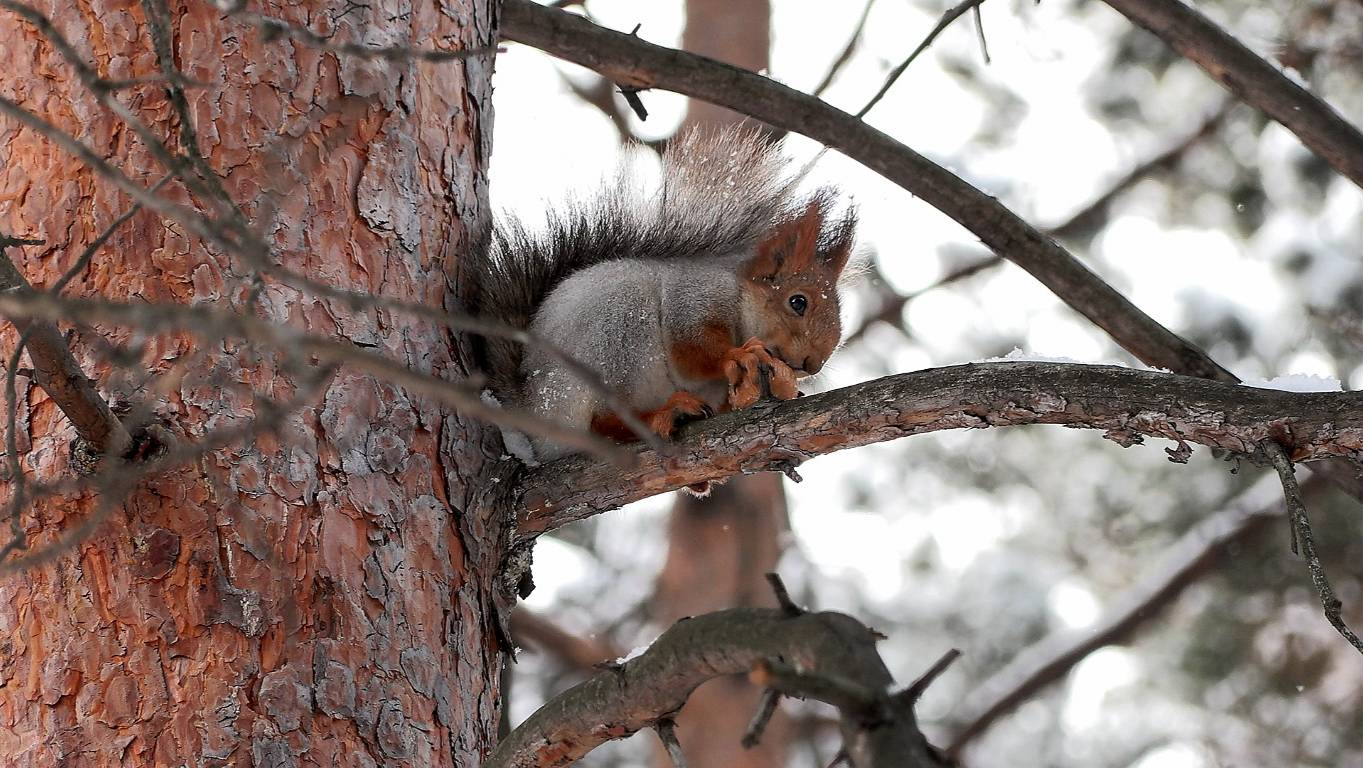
(322, 594)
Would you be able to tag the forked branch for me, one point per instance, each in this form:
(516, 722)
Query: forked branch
(834, 654)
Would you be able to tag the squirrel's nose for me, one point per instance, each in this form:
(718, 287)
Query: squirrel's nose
(812, 365)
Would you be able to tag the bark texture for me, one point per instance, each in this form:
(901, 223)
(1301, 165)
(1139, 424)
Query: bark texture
(323, 594)
(1126, 405)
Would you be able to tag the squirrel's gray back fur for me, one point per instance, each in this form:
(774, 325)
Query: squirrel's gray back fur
(720, 192)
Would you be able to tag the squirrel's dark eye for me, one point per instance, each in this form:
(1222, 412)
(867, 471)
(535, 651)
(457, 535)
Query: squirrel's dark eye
(799, 303)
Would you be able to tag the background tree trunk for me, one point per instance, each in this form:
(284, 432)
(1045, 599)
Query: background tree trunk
(321, 595)
(720, 547)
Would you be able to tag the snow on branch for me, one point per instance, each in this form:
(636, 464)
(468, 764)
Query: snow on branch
(1127, 405)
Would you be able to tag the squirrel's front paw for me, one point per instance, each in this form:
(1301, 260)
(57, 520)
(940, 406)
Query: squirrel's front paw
(680, 408)
(754, 372)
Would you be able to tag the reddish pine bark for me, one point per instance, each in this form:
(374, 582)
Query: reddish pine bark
(321, 595)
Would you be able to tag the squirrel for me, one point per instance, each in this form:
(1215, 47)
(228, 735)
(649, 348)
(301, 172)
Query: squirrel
(696, 298)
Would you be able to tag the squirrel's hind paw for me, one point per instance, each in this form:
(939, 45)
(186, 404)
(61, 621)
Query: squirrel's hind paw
(754, 372)
(680, 409)
(699, 490)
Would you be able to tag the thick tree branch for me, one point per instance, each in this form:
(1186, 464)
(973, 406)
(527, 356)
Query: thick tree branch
(1252, 79)
(1126, 404)
(1187, 560)
(58, 373)
(1085, 218)
(648, 689)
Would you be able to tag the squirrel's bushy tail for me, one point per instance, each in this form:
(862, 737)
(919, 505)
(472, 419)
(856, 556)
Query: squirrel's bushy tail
(720, 192)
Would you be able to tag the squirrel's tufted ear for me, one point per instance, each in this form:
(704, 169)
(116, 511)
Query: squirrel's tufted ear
(836, 246)
(791, 246)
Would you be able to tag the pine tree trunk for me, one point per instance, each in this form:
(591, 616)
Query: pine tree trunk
(322, 594)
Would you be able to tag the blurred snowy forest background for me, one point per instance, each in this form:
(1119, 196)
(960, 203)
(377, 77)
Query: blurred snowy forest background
(995, 541)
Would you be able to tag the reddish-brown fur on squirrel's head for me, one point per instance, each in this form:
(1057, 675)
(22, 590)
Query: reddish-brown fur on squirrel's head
(791, 285)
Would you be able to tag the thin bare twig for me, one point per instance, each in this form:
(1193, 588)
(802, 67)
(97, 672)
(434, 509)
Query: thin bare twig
(1085, 218)
(953, 13)
(1086, 215)
(1301, 526)
(866, 705)
(845, 55)
(766, 707)
(1188, 559)
(114, 484)
(783, 599)
(107, 96)
(979, 30)
(93, 246)
(215, 323)
(159, 23)
(19, 498)
(600, 94)
(18, 482)
(917, 688)
(192, 220)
